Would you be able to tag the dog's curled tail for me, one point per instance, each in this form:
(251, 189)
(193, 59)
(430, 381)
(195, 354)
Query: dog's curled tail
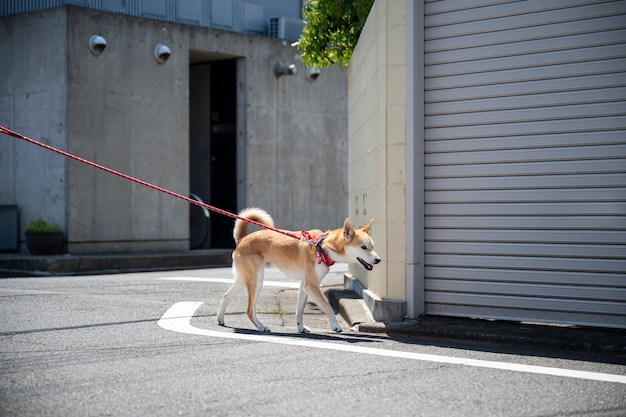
(252, 213)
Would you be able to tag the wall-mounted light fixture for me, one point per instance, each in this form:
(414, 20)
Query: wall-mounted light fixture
(162, 53)
(97, 44)
(284, 69)
(312, 73)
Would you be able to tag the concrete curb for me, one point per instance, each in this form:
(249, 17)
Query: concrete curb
(579, 339)
(611, 342)
(352, 308)
(23, 265)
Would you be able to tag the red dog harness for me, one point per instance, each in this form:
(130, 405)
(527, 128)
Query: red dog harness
(316, 247)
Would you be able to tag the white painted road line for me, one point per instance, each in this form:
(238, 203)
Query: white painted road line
(281, 284)
(178, 319)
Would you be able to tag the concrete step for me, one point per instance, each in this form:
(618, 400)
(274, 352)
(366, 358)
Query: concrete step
(23, 265)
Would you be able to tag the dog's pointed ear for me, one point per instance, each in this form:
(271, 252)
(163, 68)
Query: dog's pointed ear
(348, 229)
(367, 227)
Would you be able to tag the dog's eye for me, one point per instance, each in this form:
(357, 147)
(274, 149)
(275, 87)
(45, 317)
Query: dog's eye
(364, 247)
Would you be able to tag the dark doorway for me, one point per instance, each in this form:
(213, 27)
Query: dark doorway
(213, 151)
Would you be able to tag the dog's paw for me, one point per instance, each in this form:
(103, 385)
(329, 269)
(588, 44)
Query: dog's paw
(263, 329)
(220, 322)
(336, 327)
(304, 329)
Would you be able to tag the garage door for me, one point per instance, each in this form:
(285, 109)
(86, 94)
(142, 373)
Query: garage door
(525, 150)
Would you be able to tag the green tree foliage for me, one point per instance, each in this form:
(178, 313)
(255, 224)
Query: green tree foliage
(332, 30)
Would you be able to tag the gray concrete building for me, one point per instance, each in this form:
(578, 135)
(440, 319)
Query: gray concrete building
(213, 119)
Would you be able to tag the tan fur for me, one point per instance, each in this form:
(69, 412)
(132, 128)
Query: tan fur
(253, 213)
(264, 248)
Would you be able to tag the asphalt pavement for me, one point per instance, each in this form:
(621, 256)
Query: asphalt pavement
(352, 311)
(148, 344)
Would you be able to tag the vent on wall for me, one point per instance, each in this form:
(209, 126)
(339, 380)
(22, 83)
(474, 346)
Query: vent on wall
(288, 28)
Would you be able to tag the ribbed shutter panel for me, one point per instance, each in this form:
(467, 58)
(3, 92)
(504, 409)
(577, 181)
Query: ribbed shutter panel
(525, 176)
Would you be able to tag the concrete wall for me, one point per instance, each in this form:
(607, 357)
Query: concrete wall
(33, 101)
(377, 174)
(297, 147)
(129, 113)
(123, 110)
(295, 132)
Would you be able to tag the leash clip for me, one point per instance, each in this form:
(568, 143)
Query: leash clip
(306, 237)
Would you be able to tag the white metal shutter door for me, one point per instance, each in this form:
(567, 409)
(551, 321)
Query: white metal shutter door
(525, 153)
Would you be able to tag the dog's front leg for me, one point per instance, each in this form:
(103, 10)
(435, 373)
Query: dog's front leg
(313, 290)
(302, 297)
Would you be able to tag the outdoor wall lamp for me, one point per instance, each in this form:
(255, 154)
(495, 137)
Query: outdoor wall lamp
(282, 69)
(97, 44)
(161, 53)
(312, 73)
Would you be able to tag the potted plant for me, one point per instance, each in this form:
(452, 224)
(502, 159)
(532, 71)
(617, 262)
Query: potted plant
(43, 238)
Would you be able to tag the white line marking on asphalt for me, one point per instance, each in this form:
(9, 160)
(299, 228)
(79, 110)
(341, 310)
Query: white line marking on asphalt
(178, 319)
(281, 284)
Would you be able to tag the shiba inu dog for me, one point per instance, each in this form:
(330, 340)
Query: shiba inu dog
(296, 259)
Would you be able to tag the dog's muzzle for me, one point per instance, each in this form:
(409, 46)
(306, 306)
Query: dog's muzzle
(367, 265)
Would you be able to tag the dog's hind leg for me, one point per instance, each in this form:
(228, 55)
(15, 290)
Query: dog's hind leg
(236, 288)
(302, 297)
(254, 290)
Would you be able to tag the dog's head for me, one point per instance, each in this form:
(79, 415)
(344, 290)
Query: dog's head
(359, 246)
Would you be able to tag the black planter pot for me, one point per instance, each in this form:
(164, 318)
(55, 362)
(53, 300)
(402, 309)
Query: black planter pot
(44, 243)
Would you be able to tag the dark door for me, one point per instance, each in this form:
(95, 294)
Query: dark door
(213, 146)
